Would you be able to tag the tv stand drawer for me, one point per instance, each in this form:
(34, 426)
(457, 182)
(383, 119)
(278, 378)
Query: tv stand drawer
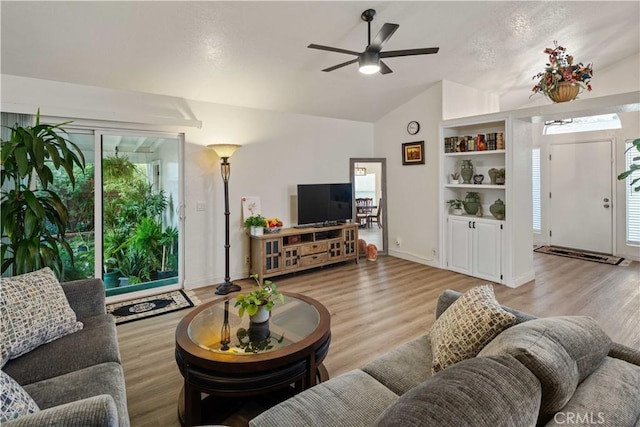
(316, 259)
(313, 248)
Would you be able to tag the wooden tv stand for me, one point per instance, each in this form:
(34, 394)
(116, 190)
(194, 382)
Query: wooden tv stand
(296, 249)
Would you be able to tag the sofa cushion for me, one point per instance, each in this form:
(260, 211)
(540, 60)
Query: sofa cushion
(14, 400)
(350, 400)
(609, 396)
(96, 411)
(560, 351)
(96, 343)
(105, 378)
(483, 391)
(33, 311)
(466, 327)
(403, 367)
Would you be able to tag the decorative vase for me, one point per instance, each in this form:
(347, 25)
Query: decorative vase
(457, 211)
(466, 171)
(261, 316)
(471, 203)
(497, 209)
(372, 252)
(362, 247)
(259, 331)
(257, 231)
(564, 91)
(493, 174)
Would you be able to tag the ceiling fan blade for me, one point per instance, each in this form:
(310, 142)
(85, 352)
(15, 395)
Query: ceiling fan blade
(344, 64)
(384, 69)
(409, 52)
(332, 49)
(383, 35)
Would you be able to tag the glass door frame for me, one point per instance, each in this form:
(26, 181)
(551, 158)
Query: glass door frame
(99, 229)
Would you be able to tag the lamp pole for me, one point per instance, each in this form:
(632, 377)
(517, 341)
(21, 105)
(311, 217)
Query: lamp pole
(225, 151)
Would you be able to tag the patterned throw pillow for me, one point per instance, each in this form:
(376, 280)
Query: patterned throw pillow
(14, 401)
(466, 327)
(33, 311)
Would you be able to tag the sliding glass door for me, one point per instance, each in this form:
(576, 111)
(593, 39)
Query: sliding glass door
(140, 202)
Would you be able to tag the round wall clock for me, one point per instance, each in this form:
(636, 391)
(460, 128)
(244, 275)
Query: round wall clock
(413, 127)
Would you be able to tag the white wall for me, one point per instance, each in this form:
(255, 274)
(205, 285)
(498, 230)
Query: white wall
(412, 190)
(465, 101)
(279, 151)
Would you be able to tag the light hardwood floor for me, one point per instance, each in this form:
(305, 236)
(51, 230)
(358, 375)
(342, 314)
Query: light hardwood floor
(376, 306)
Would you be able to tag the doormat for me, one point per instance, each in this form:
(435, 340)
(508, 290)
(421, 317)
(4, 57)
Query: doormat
(155, 305)
(587, 256)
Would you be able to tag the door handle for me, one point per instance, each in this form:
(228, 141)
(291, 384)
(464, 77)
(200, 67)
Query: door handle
(606, 205)
(605, 200)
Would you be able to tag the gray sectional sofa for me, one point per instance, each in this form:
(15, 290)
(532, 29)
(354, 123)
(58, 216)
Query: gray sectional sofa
(76, 380)
(553, 371)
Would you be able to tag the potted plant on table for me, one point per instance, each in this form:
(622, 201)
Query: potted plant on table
(456, 206)
(255, 224)
(258, 303)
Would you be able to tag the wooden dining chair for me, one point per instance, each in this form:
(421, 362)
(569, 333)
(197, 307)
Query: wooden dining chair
(377, 217)
(361, 211)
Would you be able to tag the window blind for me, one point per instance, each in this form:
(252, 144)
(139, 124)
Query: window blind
(535, 177)
(633, 200)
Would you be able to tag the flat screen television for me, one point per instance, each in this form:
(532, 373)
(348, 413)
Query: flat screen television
(325, 203)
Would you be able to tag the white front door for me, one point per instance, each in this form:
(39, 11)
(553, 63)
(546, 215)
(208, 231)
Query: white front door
(580, 205)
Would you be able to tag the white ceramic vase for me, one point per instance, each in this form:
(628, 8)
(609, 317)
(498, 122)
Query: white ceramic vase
(261, 316)
(257, 231)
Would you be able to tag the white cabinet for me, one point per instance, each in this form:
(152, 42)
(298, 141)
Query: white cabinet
(475, 247)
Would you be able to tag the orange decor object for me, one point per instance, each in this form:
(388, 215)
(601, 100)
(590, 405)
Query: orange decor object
(362, 247)
(372, 252)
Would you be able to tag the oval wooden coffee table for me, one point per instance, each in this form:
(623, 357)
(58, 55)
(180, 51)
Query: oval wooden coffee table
(285, 352)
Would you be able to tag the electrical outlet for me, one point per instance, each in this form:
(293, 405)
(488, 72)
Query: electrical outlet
(398, 242)
(246, 260)
(201, 206)
(434, 253)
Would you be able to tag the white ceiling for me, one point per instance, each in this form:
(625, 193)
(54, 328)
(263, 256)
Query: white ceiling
(254, 54)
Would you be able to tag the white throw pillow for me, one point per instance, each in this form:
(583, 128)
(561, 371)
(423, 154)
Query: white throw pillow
(14, 401)
(33, 311)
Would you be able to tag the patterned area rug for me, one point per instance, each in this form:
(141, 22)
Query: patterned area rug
(587, 256)
(141, 308)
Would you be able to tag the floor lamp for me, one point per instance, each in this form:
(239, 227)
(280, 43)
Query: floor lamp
(224, 151)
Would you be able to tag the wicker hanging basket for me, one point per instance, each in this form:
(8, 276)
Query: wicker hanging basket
(565, 91)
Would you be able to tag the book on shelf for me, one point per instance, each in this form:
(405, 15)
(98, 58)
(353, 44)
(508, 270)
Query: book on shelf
(481, 142)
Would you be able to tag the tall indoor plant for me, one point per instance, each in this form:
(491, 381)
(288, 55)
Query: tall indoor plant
(633, 167)
(34, 218)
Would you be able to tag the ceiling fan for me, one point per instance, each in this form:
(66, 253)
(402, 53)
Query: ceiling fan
(369, 60)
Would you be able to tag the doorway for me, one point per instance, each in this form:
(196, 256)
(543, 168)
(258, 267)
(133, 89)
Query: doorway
(580, 205)
(369, 179)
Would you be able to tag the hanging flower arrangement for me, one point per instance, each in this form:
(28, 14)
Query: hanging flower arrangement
(560, 70)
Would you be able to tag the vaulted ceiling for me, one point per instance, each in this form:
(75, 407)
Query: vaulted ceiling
(255, 54)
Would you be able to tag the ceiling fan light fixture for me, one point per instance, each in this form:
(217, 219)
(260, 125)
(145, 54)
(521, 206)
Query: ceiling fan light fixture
(369, 62)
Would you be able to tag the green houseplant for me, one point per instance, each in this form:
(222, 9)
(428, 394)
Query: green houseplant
(264, 297)
(34, 218)
(255, 224)
(635, 166)
(456, 206)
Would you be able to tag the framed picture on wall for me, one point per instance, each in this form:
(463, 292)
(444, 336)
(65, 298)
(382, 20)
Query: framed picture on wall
(413, 153)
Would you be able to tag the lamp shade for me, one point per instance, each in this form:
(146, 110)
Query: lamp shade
(369, 62)
(224, 151)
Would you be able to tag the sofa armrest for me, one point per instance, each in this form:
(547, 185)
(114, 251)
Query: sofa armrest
(625, 353)
(96, 411)
(86, 297)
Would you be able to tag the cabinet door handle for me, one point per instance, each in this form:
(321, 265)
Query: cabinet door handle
(469, 224)
(474, 224)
